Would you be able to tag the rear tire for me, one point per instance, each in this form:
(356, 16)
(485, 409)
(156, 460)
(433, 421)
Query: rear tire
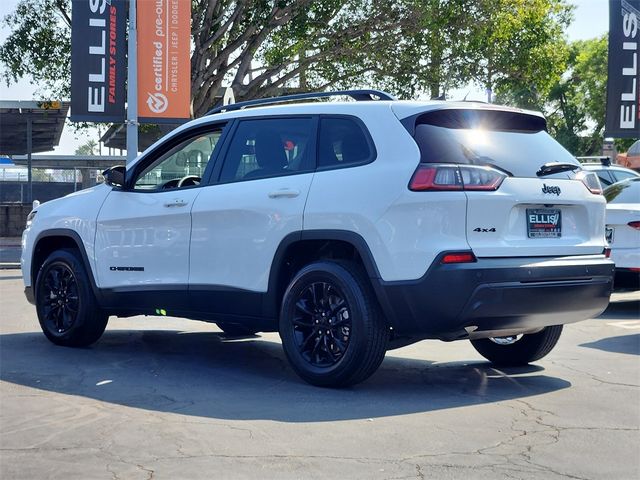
(331, 327)
(525, 350)
(66, 306)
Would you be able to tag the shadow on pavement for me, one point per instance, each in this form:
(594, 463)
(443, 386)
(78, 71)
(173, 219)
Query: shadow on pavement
(203, 374)
(621, 344)
(629, 309)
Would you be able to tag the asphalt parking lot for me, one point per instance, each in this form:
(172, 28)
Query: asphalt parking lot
(165, 398)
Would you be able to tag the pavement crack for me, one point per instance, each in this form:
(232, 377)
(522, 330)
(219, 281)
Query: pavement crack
(150, 471)
(594, 377)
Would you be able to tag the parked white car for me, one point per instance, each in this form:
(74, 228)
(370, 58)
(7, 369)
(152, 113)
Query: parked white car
(349, 227)
(607, 172)
(623, 226)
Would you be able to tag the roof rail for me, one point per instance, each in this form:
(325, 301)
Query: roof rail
(358, 95)
(605, 161)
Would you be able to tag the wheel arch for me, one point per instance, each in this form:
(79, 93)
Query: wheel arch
(54, 239)
(300, 248)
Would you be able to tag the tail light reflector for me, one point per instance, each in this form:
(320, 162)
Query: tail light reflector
(447, 177)
(607, 253)
(591, 181)
(635, 225)
(459, 257)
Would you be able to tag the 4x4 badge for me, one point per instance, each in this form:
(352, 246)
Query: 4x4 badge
(550, 189)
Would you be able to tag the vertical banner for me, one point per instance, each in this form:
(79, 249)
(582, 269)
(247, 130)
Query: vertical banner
(623, 89)
(164, 66)
(98, 52)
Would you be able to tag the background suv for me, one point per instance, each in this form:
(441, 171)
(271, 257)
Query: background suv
(349, 227)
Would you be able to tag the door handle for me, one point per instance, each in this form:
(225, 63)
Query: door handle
(176, 203)
(284, 193)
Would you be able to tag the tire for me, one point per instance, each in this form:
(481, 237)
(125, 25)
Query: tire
(331, 327)
(525, 350)
(235, 330)
(66, 306)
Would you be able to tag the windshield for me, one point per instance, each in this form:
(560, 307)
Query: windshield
(519, 153)
(517, 143)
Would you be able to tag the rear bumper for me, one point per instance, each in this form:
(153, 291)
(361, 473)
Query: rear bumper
(626, 258)
(498, 294)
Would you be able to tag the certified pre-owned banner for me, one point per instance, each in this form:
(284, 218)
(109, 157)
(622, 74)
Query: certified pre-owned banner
(623, 91)
(98, 52)
(164, 67)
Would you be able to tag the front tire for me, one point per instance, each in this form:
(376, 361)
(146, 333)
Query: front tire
(331, 327)
(66, 306)
(529, 348)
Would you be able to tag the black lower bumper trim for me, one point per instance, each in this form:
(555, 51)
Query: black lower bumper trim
(498, 294)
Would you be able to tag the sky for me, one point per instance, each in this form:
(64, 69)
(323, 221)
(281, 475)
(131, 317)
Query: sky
(591, 19)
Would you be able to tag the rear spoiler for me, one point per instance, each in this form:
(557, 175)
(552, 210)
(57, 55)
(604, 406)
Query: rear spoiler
(506, 120)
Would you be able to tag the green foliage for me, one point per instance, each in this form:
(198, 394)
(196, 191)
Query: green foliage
(269, 47)
(518, 46)
(39, 46)
(623, 144)
(90, 147)
(576, 104)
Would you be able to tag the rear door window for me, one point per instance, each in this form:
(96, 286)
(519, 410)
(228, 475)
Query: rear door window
(605, 177)
(263, 148)
(342, 142)
(515, 142)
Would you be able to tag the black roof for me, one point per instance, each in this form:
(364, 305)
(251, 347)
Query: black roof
(47, 123)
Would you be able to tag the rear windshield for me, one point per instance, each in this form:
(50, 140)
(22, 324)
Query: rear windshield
(627, 191)
(517, 143)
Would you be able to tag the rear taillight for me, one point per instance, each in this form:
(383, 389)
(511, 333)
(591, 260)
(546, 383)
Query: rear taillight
(607, 253)
(447, 177)
(635, 225)
(458, 257)
(591, 181)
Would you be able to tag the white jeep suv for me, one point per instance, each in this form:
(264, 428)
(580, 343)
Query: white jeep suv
(350, 227)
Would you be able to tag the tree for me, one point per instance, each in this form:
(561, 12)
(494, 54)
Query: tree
(624, 144)
(518, 47)
(576, 104)
(260, 47)
(87, 148)
(39, 46)
(267, 47)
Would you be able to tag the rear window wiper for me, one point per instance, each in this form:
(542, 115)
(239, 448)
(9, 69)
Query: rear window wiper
(556, 167)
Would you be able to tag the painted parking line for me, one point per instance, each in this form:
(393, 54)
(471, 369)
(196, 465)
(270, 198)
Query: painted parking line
(628, 324)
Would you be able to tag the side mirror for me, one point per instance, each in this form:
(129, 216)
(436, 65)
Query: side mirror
(114, 176)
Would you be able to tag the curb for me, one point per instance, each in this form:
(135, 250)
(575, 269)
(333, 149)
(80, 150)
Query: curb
(9, 266)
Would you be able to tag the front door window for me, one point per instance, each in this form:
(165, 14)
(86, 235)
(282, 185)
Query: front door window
(182, 166)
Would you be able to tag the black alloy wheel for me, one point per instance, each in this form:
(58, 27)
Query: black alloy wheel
(59, 298)
(332, 330)
(68, 312)
(322, 324)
